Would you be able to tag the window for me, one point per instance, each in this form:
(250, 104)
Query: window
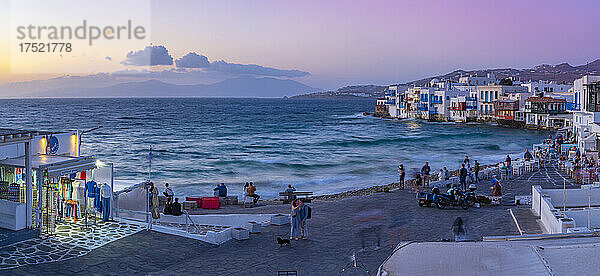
(496, 94)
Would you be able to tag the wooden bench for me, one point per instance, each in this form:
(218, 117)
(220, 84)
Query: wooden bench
(289, 196)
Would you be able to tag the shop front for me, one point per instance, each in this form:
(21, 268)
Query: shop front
(64, 187)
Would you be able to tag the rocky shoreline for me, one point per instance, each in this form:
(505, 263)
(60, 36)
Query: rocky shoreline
(383, 188)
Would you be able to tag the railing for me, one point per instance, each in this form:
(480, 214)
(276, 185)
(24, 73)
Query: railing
(188, 219)
(436, 101)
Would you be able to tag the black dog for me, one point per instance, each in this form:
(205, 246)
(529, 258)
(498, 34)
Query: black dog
(283, 242)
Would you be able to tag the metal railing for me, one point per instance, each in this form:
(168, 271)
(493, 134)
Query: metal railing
(189, 219)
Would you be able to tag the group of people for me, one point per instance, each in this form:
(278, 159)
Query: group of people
(250, 190)
(220, 190)
(300, 214)
(423, 178)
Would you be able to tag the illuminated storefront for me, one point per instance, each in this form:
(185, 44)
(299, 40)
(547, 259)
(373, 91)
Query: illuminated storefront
(63, 185)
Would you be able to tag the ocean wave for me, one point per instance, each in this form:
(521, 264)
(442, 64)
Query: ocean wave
(356, 115)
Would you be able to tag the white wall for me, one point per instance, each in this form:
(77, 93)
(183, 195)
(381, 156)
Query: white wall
(67, 145)
(12, 215)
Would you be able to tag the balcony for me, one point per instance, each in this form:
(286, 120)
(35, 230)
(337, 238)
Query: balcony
(423, 107)
(436, 101)
(573, 107)
(545, 111)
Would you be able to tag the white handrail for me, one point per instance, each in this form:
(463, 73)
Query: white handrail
(187, 216)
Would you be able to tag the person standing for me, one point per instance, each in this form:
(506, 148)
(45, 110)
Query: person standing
(402, 174)
(295, 219)
(467, 162)
(463, 177)
(476, 169)
(425, 171)
(508, 161)
(154, 203)
(446, 174)
(305, 214)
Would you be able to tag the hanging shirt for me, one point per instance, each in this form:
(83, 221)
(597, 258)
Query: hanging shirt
(106, 191)
(91, 188)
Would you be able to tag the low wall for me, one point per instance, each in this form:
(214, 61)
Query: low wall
(553, 219)
(12, 215)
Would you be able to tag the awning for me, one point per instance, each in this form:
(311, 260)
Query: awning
(57, 165)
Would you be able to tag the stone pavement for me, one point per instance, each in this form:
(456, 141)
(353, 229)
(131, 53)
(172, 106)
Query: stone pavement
(70, 241)
(333, 238)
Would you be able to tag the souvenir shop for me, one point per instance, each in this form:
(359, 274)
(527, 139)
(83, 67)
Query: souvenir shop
(65, 189)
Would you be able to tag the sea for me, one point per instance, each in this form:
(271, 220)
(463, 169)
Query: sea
(320, 145)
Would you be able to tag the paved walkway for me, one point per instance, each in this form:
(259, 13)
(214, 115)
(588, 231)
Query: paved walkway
(334, 236)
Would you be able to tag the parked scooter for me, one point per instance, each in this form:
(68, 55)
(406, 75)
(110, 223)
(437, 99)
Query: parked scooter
(456, 198)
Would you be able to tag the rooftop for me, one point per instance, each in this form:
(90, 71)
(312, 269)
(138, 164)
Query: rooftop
(545, 100)
(15, 135)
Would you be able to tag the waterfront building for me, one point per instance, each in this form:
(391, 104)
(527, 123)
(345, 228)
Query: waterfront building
(429, 103)
(487, 94)
(393, 96)
(547, 112)
(506, 112)
(546, 87)
(463, 108)
(586, 117)
(381, 108)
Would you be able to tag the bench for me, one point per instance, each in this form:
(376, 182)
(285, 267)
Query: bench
(289, 196)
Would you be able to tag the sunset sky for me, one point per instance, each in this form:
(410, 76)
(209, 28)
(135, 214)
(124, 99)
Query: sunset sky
(359, 42)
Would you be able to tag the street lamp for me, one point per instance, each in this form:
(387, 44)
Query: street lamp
(81, 134)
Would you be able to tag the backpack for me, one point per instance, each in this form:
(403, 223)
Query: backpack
(308, 212)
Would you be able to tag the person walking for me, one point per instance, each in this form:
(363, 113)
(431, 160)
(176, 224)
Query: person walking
(476, 168)
(295, 219)
(402, 174)
(463, 177)
(425, 171)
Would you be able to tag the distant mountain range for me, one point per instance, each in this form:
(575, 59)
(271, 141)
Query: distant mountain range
(561, 73)
(235, 87)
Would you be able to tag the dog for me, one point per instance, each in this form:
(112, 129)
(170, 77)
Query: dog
(283, 242)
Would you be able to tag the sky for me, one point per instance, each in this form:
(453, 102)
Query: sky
(338, 43)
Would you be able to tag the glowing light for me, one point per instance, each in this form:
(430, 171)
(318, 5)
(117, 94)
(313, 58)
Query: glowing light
(100, 164)
(43, 142)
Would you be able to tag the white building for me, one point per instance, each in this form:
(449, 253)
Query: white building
(587, 117)
(487, 94)
(546, 87)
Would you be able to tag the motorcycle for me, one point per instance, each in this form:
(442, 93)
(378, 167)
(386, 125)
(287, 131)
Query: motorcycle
(443, 200)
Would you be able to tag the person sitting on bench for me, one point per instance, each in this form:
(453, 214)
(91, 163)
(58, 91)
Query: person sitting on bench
(290, 189)
(252, 192)
(176, 209)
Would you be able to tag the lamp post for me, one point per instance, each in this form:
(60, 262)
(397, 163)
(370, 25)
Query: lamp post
(81, 134)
